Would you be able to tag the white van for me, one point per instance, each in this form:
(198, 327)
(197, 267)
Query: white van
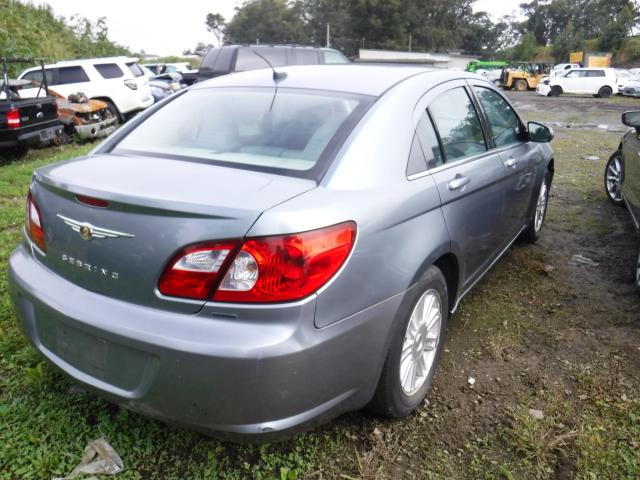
(118, 81)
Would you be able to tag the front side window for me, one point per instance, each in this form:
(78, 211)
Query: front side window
(576, 74)
(109, 70)
(504, 122)
(249, 60)
(458, 124)
(255, 128)
(36, 76)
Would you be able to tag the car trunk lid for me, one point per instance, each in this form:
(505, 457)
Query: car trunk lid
(155, 207)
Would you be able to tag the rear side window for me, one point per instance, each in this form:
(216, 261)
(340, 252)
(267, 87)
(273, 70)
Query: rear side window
(248, 127)
(504, 122)
(595, 73)
(109, 70)
(67, 75)
(458, 124)
(417, 163)
(249, 60)
(224, 59)
(429, 142)
(333, 57)
(135, 69)
(210, 58)
(306, 57)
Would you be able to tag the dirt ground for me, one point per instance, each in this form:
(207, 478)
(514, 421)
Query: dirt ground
(540, 332)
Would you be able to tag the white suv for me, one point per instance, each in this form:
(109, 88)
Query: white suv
(599, 82)
(118, 81)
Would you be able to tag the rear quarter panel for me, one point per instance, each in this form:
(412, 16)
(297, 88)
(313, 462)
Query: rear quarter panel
(400, 226)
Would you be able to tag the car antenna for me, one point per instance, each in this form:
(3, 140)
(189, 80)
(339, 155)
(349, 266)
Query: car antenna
(276, 75)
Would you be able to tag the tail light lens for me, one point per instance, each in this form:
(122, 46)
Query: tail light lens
(13, 118)
(35, 230)
(193, 273)
(269, 269)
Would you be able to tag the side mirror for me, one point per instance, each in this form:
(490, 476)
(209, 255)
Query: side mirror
(631, 119)
(539, 133)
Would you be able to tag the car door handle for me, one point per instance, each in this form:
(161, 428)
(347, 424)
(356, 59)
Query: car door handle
(458, 182)
(511, 163)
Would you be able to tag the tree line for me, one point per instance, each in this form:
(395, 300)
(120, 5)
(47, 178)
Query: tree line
(34, 31)
(560, 26)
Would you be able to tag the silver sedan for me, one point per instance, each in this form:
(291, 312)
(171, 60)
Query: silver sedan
(264, 251)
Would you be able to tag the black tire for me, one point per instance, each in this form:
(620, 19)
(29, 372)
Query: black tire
(114, 111)
(555, 91)
(532, 232)
(605, 92)
(637, 276)
(614, 174)
(389, 398)
(521, 85)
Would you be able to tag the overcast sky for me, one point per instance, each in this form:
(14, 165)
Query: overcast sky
(168, 28)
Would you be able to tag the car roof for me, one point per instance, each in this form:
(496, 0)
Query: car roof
(593, 68)
(269, 45)
(67, 63)
(371, 80)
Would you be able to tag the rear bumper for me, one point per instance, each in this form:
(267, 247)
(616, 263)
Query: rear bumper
(33, 137)
(242, 370)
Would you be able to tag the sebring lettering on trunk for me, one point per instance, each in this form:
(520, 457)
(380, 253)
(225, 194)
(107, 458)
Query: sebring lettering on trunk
(90, 268)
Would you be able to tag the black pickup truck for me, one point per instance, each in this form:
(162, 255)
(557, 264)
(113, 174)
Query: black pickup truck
(25, 122)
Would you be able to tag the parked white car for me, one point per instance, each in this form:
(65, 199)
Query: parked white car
(118, 81)
(599, 82)
(632, 88)
(625, 77)
(563, 67)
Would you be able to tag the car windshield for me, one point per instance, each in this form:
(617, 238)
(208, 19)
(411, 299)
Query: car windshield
(288, 130)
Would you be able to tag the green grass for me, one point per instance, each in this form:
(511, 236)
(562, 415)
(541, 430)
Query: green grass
(46, 421)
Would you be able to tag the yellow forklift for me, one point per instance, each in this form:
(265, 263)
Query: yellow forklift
(521, 76)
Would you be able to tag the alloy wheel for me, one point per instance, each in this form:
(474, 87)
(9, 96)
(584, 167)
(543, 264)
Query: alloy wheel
(421, 341)
(541, 207)
(614, 179)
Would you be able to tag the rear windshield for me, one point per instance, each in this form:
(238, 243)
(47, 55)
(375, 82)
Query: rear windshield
(290, 132)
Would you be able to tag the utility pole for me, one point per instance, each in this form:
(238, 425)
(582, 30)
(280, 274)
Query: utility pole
(410, 42)
(328, 35)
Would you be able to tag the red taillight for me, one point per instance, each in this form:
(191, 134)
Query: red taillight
(13, 118)
(269, 269)
(35, 228)
(193, 273)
